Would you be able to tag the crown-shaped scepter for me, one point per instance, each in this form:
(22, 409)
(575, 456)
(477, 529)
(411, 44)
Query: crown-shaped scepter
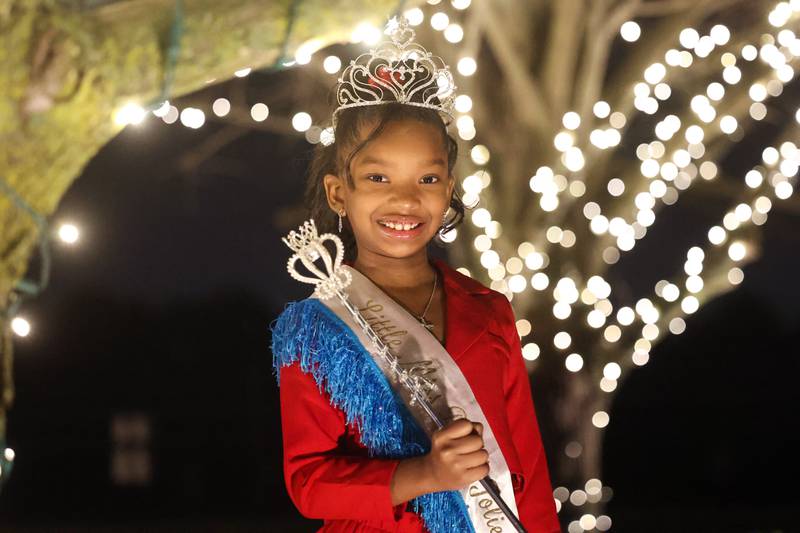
(398, 70)
(309, 248)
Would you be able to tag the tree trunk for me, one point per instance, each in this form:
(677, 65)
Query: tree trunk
(576, 406)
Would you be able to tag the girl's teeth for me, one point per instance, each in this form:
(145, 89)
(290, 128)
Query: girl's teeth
(404, 227)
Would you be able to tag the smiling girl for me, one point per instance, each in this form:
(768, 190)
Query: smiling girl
(355, 454)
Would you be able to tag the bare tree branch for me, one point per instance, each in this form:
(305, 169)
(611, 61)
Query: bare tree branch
(563, 39)
(537, 115)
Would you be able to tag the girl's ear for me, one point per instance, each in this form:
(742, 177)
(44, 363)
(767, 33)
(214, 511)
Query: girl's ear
(451, 187)
(334, 191)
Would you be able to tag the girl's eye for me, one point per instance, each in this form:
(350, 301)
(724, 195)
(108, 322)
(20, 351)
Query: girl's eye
(379, 178)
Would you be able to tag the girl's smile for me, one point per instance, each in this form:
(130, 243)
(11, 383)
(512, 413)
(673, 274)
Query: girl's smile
(401, 227)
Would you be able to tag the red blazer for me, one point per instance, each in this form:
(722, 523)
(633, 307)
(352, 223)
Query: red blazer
(329, 474)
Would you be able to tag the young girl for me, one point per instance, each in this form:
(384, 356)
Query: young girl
(354, 454)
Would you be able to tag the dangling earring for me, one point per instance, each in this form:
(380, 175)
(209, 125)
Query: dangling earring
(340, 213)
(444, 217)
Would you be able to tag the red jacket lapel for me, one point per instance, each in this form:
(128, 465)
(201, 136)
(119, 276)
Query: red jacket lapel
(467, 314)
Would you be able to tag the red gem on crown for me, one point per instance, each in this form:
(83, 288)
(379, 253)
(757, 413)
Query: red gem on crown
(385, 74)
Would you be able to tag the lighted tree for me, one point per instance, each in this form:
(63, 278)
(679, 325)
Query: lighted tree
(75, 72)
(590, 118)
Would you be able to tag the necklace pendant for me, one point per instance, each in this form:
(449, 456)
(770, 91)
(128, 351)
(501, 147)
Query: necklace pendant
(421, 318)
(428, 325)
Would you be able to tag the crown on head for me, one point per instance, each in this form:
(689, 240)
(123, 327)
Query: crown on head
(399, 71)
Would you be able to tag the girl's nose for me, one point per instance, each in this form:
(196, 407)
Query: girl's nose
(405, 195)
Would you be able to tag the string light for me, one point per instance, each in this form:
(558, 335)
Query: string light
(193, 118)
(574, 362)
(454, 33)
(439, 21)
(367, 33)
(415, 16)
(130, 113)
(221, 107)
(20, 326)
(630, 31)
(332, 64)
(259, 112)
(68, 233)
(467, 66)
(306, 50)
(301, 121)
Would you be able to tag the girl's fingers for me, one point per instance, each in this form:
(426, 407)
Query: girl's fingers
(457, 429)
(479, 472)
(470, 443)
(471, 460)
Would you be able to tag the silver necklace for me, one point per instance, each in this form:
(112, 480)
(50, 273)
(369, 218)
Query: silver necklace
(421, 318)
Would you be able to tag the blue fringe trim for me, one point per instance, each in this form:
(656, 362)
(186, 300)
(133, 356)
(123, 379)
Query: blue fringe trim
(308, 332)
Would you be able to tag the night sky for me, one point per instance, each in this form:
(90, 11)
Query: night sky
(162, 310)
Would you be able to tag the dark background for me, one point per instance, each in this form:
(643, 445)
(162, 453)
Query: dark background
(162, 311)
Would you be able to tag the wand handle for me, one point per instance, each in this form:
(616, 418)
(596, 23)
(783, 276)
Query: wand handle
(490, 487)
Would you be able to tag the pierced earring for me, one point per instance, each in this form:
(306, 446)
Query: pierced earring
(340, 213)
(441, 226)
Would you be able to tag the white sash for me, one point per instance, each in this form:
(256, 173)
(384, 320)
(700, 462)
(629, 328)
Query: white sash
(420, 353)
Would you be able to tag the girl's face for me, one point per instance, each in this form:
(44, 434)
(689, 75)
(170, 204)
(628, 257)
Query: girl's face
(401, 189)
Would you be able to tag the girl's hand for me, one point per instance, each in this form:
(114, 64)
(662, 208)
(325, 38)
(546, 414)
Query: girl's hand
(457, 457)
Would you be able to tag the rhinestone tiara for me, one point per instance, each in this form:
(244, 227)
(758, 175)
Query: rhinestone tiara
(399, 71)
